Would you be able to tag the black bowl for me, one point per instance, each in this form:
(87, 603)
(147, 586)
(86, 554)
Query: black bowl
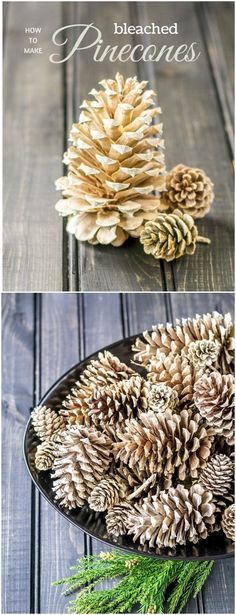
(215, 546)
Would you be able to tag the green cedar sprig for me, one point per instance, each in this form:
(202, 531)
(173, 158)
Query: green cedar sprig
(142, 581)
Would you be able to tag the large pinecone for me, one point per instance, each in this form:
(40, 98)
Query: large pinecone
(228, 522)
(175, 372)
(107, 493)
(175, 517)
(165, 443)
(117, 402)
(46, 422)
(117, 519)
(81, 461)
(177, 337)
(218, 475)
(44, 456)
(214, 398)
(114, 164)
(104, 371)
(188, 189)
(169, 236)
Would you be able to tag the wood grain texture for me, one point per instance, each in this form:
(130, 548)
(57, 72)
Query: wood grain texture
(198, 121)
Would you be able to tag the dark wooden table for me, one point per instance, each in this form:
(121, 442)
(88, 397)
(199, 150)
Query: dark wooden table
(43, 336)
(42, 100)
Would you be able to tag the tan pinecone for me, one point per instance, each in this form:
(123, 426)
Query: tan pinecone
(117, 519)
(176, 517)
(44, 456)
(134, 478)
(46, 422)
(109, 492)
(106, 370)
(204, 353)
(165, 443)
(82, 459)
(169, 236)
(218, 475)
(177, 337)
(176, 372)
(189, 189)
(228, 522)
(115, 403)
(214, 398)
(162, 398)
(115, 164)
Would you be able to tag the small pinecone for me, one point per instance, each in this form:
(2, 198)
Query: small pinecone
(174, 518)
(169, 236)
(188, 189)
(46, 422)
(117, 519)
(176, 373)
(107, 493)
(176, 337)
(115, 403)
(162, 398)
(228, 522)
(150, 444)
(218, 475)
(214, 398)
(44, 456)
(204, 353)
(104, 371)
(82, 459)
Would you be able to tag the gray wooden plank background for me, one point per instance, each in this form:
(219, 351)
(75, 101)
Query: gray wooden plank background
(42, 100)
(43, 335)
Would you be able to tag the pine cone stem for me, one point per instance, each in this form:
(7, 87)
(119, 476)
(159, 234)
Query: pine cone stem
(201, 239)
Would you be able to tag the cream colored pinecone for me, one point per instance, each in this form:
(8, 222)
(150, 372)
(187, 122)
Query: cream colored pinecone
(175, 372)
(170, 236)
(109, 492)
(204, 353)
(82, 459)
(117, 519)
(174, 518)
(115, 403)
(104, 371)
(115, 164)
(218, 475)
(44, 456)
(214, 398)
(177, 337)
(46, 422)
(228, 522)
(165, 443)
(162, 398)
(189, 189)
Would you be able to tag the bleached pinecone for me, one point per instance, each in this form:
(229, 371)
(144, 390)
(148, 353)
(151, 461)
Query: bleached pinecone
(177, 337)
(176, 517)
(204, 353)
(82, 459)
(165, 443)
(134, 478)
(115, 163)
(189, 189)
(44, 456)
(162, 398)
(218, 475)
(214, 398)
(109, 492)
(115, 403)
(46, 422)
(175, 372)
(117, 519)
(106, 370)
(169, 236)
(228, 522)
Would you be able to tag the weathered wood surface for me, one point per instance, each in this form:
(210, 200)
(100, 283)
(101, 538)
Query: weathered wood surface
(42, 337)
(42, 99)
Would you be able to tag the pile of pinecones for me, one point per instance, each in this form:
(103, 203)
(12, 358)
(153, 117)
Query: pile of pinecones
(156, 453)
